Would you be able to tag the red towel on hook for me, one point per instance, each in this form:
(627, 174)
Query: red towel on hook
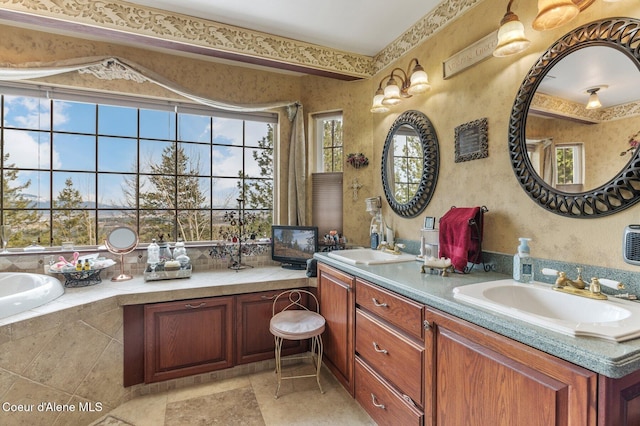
(455, 236)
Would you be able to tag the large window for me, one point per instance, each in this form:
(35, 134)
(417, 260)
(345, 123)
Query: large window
(73, 170)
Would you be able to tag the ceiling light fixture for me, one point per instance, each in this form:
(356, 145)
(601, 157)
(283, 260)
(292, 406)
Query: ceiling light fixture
(594, 100)
(511, 37)
(554, 13)
(414, 83)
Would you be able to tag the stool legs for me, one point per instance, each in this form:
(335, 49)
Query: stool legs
(316, 356)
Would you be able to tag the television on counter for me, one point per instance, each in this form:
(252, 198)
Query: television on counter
(293, 245)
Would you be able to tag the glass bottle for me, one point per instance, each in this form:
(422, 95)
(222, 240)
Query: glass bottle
(179, 249)
(153, 253)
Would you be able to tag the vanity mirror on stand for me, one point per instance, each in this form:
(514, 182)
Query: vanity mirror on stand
(410, 163)
(121, 241)
(571, 157)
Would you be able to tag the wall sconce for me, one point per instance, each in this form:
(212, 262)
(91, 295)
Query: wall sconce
(414, 83)
(554, 13)
(511, 38)
(594, 100)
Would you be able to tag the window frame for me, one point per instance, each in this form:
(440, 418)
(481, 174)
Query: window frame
(318, 120)
(139, 103)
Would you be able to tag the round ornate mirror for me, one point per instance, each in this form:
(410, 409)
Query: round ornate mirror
(571, 160)
(410, 161)
(121, 240)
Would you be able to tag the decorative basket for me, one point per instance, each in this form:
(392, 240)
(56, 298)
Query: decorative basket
(81, 278)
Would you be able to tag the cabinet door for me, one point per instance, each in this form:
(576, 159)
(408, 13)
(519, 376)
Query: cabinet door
(619, 400)
(254, 341)
(337, 303)
(480, 375)
(187, 337)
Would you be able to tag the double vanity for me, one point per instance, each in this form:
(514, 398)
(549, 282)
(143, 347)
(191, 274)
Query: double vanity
(429, 349)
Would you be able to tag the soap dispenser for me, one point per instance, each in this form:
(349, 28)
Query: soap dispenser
(375, 237)
(523, 263)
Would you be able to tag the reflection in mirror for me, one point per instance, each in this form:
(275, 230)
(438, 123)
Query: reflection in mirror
(570, 147)
(121, 240)
(574, 161)
(407, 164)
(410, 161)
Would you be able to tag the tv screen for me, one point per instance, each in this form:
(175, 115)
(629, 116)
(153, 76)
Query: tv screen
(293, 245)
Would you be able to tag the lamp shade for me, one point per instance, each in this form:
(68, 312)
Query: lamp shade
(511, 38)
(554, 13)
(377, 102)
(419, 81)
(391, 92)
(594, 100)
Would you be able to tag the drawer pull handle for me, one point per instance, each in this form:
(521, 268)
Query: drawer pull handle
(377, 349)
(375, 402)
(190, 306)
(267, 297)
(378, 304)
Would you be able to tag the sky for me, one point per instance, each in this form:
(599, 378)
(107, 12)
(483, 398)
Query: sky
(116, 152)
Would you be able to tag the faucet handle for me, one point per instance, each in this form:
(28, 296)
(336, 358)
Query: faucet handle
(616, 285)
(549, 272)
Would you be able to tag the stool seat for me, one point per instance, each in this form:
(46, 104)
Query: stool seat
(296, 324)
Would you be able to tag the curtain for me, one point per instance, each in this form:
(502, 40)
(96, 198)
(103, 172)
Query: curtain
(297, 169)
(109, 68)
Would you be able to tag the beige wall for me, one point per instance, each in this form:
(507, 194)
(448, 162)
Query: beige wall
(485, 90)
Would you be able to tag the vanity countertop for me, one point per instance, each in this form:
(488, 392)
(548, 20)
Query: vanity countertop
(611, 359)
(201, 284)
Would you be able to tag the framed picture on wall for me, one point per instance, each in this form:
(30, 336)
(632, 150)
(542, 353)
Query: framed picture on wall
(429, 222)
(471, 141)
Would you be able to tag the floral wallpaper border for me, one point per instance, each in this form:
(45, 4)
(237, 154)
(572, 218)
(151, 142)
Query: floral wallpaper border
(149, 22)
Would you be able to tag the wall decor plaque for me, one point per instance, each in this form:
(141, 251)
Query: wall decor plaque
(471, 141)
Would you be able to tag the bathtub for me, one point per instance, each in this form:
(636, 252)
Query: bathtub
(21, 291)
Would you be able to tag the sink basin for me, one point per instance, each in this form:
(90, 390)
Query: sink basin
(539, 304)
(369, 257)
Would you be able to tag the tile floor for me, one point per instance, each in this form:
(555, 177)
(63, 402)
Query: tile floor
(245, 400)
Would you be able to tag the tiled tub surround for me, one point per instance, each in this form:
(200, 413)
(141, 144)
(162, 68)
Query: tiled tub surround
(70, 351)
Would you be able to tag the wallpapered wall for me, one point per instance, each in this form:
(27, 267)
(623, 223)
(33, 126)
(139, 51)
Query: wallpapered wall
(485, 90)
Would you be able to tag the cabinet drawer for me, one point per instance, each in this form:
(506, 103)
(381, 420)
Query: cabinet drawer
(381, 402)
(393, 355)
(398, 310)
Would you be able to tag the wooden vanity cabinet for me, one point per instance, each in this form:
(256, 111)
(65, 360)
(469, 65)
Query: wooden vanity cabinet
(187, 337)
(254, 341)
(473, 374)
(337, 304)
(389, 355)
(619, 400)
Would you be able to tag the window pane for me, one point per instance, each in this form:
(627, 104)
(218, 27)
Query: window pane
(153, 224)
(117, 154)
(157, 124)
(227, 161)
(74, 190)
(258, 163)
(193, 192)
(117, 121)
(74, 117)
(227, 131)
(25, 189)
(225, 193)
(74, 225)
(258, 193)
(194, 128)
(194, 225)
(28, 226)
(117, 190)
(27, 113)
(155, 156)
(28, 150)
(258, 134)
(157, 192)
(108, 220)
(75, 152)
(198, 159)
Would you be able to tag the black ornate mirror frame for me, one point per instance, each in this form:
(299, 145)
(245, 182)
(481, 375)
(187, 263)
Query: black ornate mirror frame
(623, 190)
(430, 158)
